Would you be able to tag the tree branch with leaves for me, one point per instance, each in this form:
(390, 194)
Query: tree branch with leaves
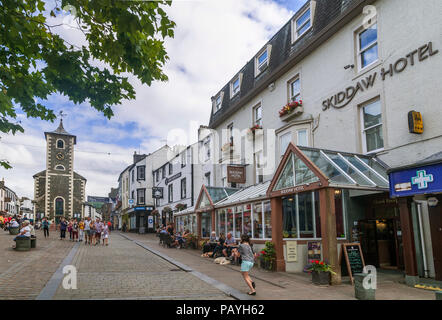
(36, 62)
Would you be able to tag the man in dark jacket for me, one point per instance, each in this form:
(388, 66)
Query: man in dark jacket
(63, 226)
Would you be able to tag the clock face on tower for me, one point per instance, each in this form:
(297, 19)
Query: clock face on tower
(60, 156)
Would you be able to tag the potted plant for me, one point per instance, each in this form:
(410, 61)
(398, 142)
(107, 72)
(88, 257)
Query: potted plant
(180, 206)
(320, 272)
(267, 256)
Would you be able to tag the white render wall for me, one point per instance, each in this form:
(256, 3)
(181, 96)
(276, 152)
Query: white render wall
(403, 26)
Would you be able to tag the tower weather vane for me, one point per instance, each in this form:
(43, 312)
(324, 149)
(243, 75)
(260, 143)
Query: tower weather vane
(61, 115)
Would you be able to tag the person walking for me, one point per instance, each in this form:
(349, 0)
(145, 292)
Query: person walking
(75, 230)
(63, 226)
(45, 224)
(70, 229)
(81, 230)
(105, 234)
(248, 259)
(87, 231)
(92, 233)
(98, 230)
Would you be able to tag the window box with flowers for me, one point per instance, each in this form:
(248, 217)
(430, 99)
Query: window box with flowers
(256, 130)
(320, 272)
(291, 110)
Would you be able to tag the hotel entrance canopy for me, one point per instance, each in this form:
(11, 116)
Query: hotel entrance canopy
(304, 168)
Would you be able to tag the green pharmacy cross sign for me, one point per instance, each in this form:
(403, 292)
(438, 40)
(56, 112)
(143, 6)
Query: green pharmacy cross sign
(422, 179)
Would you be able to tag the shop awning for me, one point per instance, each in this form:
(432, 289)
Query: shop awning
(252, 193)
(304, 168)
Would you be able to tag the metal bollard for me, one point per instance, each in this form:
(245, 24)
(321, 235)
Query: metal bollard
(362, 293)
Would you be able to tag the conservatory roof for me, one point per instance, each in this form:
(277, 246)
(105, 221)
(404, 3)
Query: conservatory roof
(304, 168)
(209, 196)
(185, 211)
(252, 193)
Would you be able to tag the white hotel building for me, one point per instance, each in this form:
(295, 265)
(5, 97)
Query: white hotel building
(359, 68)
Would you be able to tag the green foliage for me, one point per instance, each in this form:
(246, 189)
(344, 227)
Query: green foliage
(320, 266)
(35, 62)
(268, 254)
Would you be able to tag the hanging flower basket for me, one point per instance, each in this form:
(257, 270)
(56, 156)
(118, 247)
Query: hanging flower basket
(180, 206)
(291, 110)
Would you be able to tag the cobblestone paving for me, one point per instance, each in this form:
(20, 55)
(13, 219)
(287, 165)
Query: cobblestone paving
(23, 274)
(124, 270)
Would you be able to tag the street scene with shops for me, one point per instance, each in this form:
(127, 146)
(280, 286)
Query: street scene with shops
(313, 171)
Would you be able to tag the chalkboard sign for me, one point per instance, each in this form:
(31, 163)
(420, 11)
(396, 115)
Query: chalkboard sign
(354, 260)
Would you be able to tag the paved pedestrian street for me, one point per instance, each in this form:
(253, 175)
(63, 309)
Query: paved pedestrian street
(23, 274)
(125, 270)
(135, 267)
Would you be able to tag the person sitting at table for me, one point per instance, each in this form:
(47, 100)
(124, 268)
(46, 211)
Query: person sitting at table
(229, 244)
(25, 231)
(218, 251)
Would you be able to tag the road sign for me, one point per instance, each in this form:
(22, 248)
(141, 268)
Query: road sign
(131, 202)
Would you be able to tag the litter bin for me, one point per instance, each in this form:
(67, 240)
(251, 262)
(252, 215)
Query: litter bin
(23, 244)
(13, 230)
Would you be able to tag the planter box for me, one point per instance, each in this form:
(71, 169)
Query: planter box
(321, 278)
(23, 244)
(265, 264)
(14, 230)
(296, 112)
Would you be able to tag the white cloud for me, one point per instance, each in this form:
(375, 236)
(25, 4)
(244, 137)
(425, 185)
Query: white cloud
(213, 40)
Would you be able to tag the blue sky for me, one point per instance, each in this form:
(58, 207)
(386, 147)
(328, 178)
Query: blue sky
(213, 40)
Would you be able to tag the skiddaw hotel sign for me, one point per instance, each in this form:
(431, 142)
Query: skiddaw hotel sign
(344, 97)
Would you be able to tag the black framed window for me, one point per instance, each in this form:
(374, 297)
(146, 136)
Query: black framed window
(141, 196)
(141, 173)
(170, 191)
(133, 175)
(157, 176)
(60, 144)
(170, 168)
(163, 172)
(183, 188)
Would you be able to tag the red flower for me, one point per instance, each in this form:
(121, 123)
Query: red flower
(322, 262)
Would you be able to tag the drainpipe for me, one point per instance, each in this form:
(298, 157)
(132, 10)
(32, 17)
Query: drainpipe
(421, 231)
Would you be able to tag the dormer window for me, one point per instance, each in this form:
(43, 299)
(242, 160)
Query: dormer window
(235, 85)
(262, 60)
(303, 21)
(217, 102)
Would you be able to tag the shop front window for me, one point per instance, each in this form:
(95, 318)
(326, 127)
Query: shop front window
(267, 220)
(305, 210)
(206, 224)
(301, 210)
(257, 221)
(230, 221)
(339, 209)
(221, 214)
(247, 220)
(290, 229)
(238, 222)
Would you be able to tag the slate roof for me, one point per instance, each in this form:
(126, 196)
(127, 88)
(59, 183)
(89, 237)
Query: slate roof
(60, 130)
(330, 16)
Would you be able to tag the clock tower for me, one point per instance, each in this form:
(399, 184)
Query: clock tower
(59, 191)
